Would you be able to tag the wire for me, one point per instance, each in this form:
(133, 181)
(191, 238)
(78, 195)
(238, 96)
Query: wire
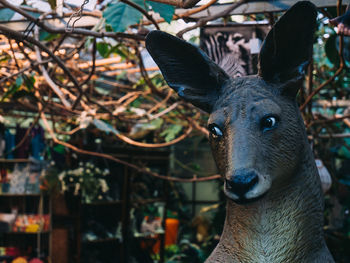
(79, 13)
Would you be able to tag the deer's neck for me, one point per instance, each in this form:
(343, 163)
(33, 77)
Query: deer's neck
(284, 226)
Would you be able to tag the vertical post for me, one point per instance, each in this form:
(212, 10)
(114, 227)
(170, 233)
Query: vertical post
(162, 237)
(50, 227)
(41, 212)
(125, 217)
(193, 199)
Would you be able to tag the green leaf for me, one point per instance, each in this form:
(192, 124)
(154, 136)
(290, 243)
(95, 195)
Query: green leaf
(120, 15)
(19, 81)
(165, 11)
(29, 82)
(45, 36)
(13, 89)
(136, 103)
(120, 50)
(52, 4)
(6, 14)
(108, 28)
(103, 49)
(156, 123)
(59, 149)
(171, 132)
(22, 93)
(344, 152)
(4, 56)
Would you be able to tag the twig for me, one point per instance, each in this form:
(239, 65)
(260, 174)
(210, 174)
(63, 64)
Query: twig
(331, 79)
(337, 118)
(145, 74)
(178, 3)
(198, 127)
(19, 36)
(109, 157)
(154, 145)
(159, 104)
(27, 132)
(90, 74)
(334, 136)
(186, 14)
(320, 87)
(159, 114)
(13, 54)
(49, 81)
(78, 31)
(25, 69)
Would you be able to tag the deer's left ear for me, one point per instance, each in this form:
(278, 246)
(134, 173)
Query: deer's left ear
(287, 48)
(186, 69)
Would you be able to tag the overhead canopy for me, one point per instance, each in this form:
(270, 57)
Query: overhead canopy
(254, 7)
(92, 18)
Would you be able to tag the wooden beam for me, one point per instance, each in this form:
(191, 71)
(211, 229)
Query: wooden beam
(85, 21)
(332, 103)
(259, 7)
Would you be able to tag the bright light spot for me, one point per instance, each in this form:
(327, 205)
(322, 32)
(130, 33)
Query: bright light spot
(326, 35)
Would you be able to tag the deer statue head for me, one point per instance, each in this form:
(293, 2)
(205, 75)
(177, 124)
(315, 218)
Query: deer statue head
(258, 140)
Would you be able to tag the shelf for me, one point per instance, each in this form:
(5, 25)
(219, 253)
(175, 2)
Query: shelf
(102, 240)
(149, 237)
(116, 202)
(25, 233)
(15, 160)
(147, 201)
(19, 195)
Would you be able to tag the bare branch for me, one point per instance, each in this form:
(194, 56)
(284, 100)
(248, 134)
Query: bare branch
(178, 3)
(20, 37)
(78, 31)
(49, 81)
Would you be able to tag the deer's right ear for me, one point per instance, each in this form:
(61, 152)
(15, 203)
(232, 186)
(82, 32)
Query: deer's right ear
(287, 49)
(186, 69)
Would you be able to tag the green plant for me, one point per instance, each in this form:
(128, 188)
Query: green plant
(86, 180)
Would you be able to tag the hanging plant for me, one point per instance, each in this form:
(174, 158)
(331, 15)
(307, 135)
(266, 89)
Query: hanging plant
(87, 180)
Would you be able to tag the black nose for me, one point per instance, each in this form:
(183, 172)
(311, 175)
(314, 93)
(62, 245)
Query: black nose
(241, 182)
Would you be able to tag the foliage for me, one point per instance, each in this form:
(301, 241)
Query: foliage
(120, 15)
(185, 252)
(165, 11)
(87, 180)
(6, 14)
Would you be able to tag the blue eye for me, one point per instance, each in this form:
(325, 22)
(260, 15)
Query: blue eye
(215, 131)
(268, 123)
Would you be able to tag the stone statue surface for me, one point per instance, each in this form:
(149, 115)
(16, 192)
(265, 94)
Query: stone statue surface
(258, 139)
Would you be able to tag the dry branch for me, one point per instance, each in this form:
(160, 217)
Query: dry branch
(75, 31)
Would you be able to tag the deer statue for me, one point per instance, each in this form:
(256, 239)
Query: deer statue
(257, 135)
